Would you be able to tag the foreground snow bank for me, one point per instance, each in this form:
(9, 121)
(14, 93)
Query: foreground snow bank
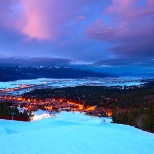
(73, 133)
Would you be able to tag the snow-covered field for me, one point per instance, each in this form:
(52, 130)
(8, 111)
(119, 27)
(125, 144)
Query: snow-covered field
(72, 133)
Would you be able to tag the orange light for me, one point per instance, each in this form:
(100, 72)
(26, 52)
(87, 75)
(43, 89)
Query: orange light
(80, 107)
(28, 100)
(91, 108)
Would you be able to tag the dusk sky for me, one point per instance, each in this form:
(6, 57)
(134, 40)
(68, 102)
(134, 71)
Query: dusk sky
(102, 34)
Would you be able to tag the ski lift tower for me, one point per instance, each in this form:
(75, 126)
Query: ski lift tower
(12, 113)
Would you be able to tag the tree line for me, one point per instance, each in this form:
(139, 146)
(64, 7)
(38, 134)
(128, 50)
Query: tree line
(142, 117)
(7, 111)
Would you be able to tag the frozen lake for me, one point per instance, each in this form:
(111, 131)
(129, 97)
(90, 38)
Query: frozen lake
(28, 85)
(73, 82)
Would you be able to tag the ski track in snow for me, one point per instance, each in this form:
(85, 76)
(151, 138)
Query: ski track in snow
(73, 133)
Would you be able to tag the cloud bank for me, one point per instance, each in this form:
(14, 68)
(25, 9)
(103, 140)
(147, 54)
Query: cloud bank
(101, 33)
(129, 29)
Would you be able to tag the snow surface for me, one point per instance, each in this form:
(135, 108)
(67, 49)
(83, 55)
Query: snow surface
(72, 133)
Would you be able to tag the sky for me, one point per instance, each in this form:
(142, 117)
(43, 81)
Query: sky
(99, 34)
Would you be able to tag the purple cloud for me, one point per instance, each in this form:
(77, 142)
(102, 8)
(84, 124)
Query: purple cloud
(108, 32)
(129, 29)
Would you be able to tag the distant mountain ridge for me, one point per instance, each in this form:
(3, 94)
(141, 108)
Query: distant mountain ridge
(17, 73)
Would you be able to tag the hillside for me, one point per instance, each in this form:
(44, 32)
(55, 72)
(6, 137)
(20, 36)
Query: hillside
(73, 133)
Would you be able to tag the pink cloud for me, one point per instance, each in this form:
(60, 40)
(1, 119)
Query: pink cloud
(48, 19)
(42, 19)
(35, 20)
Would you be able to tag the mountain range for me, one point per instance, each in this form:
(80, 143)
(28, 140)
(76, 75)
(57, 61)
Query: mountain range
(17, 73)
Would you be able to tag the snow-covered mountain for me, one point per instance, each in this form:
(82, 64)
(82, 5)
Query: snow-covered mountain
(17, 73)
